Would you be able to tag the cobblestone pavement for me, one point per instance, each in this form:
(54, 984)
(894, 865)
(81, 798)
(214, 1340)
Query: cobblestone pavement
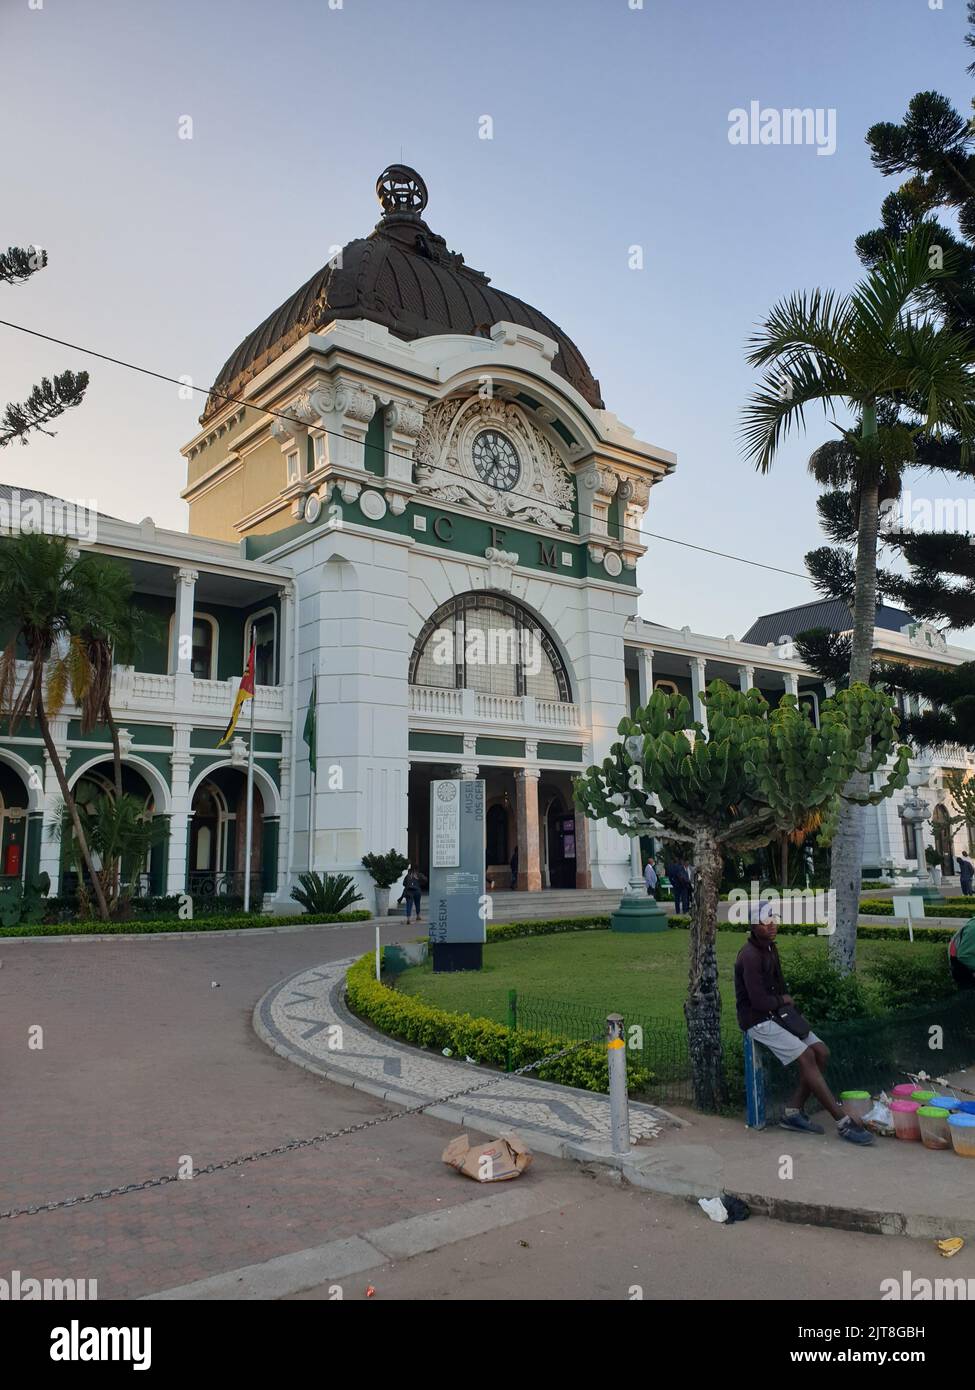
(149, 1054)
(299, 1019)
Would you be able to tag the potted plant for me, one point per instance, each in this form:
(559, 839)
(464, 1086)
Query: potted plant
(384, 870)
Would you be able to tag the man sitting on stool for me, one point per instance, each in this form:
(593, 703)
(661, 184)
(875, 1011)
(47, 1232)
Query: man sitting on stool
(761, 999)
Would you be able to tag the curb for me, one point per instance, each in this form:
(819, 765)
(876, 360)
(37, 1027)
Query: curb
(687, 1171)
(541, 1141)
(231, 933)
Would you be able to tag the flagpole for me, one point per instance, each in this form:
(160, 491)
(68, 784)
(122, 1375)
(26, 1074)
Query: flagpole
(313, 751)
(250, 807)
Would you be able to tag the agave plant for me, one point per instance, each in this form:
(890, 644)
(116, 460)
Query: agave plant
(326, 896)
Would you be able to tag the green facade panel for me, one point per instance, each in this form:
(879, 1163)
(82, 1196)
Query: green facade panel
(436, 743)
(500, 747)
(560, 752)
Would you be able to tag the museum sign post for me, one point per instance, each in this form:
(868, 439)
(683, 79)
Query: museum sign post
(457, 922)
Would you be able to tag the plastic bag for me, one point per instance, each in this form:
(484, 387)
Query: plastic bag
(878, 1117)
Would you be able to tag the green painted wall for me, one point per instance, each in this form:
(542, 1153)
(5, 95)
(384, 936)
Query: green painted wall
(375, 456)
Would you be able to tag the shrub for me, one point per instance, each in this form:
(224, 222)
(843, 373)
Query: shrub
(825, 995)
(175, 925)
(326, 896)
(905, 981)
(491, 1044)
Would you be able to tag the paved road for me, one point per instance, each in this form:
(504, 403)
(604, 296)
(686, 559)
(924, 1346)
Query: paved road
(144, 1062)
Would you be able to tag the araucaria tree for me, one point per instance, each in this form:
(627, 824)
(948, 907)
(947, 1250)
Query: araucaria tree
(757, 772)
(53, 396)
(904, 378)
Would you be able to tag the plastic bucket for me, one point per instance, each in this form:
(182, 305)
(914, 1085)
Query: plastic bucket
(934, 1127)
(906, 1123)
(856, 1102)
(967, 1107)
(949, 1103)
(962, 1131)
(904, 1091)
(923, 1097)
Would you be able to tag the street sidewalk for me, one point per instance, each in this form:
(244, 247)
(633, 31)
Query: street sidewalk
(891, 1188)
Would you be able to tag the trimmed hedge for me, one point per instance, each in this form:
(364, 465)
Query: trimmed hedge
(509, 931)
(489, 1043)
(866, 931)
(215, 922)
(884, 907)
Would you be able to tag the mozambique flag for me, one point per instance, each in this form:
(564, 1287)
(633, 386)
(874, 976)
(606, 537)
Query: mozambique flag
(310, 731)
(245, 692)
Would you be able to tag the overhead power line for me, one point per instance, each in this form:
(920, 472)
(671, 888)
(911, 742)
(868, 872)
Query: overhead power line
(209, 391)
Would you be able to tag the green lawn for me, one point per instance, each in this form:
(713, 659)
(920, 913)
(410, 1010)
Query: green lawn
(637, 976)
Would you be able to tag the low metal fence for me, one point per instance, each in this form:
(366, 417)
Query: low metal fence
(869, 1054)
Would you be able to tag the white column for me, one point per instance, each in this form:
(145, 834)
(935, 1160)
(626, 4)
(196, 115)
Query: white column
(180, 812)
(285, 634)
(746, 677)
(50, 860)
(791, 682)
(699, 682)
(644, 674)
(637, 885)
(181, 656)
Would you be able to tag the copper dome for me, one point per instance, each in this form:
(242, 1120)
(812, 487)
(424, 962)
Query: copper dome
(403, 276)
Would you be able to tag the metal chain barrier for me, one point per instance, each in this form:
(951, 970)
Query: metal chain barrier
(293, 1145)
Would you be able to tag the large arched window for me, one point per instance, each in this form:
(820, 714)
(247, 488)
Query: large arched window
(492, 644)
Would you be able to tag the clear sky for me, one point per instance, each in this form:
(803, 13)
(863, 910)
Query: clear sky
(610, 130)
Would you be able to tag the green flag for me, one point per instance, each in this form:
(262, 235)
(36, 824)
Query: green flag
(310, 732)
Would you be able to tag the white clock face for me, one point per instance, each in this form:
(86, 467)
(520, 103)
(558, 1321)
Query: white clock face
(496, 460)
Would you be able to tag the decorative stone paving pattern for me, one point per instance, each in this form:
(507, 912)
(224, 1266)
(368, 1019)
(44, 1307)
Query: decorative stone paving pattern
(295, 1019)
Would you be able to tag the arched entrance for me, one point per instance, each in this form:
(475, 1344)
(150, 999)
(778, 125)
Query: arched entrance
(218, 829)
(143, 877)
(14, 803)
(559, 869)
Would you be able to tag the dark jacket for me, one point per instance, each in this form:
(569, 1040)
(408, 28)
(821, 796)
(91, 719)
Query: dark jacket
(759, 983)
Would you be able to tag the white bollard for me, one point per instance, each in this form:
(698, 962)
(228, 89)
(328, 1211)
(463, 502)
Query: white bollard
(619, 1114)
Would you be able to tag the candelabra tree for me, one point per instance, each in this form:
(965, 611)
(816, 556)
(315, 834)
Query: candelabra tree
(756, 772)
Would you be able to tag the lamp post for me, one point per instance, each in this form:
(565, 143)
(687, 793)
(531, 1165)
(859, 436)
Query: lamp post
(914, 811)
(638, 911)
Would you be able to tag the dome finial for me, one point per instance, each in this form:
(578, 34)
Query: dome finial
(400, 191)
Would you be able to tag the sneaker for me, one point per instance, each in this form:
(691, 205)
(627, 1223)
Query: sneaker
(801, 1122)
(855, 1134)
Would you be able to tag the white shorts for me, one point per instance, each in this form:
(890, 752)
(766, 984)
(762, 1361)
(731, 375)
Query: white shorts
(779, 1041)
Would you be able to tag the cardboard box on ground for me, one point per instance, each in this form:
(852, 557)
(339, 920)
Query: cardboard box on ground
(505, 1157)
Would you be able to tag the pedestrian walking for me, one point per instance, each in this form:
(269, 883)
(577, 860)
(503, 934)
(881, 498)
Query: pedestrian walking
(412, 887)
(650, 879)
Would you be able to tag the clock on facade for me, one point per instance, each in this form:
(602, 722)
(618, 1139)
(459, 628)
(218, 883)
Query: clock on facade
(496, 460)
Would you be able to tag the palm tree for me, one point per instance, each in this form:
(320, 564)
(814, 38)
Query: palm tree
(875, 353)
(110, 629)
(120, 832)
(39, 598)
